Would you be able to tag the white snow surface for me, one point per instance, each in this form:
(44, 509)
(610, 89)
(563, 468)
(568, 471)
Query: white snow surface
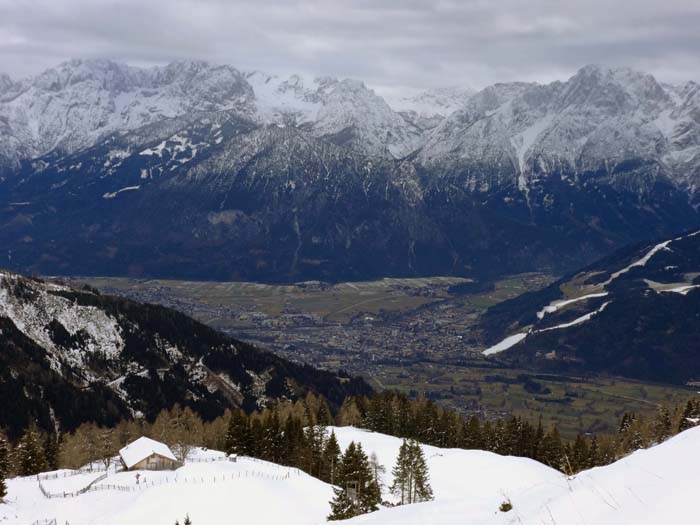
(683, 290)
(514, 339)
(641, 262)
(648, 487)
(578, 320)
(509, 341)
(557, 305)
(142, 448)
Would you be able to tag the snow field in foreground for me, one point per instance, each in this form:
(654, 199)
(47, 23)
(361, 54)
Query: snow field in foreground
(648, 487)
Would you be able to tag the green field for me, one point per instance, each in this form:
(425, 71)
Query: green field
(574, 404)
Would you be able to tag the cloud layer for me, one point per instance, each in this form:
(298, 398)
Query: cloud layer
(386, 43)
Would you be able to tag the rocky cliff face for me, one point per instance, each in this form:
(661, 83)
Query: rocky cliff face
(68, 356)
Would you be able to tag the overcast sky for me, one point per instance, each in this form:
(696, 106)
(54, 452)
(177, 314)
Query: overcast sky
(386, 43)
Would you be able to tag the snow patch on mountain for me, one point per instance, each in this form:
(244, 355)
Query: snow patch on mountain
(507, 343)
(557, 305)
(111, 195)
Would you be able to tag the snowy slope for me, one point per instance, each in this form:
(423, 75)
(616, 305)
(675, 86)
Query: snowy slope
(265, 494)
(214, 492)
(648, 487)
(450, 468)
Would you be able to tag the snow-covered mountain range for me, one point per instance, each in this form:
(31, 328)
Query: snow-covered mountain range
(312, 174)
(599, 117)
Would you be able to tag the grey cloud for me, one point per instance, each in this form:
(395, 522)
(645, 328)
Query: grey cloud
(409, 43)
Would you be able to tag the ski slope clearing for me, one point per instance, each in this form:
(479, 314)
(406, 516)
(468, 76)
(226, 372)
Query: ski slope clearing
(648, 487)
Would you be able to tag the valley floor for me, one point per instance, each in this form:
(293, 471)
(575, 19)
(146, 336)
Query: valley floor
(417, 336)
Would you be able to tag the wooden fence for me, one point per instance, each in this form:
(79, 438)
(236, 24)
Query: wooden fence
(232, 459)
(50, 495)
(70, 473)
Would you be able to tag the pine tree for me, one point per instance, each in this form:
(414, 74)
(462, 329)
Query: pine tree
(471, 434)
(551, 450)
(368, 491)
(331, 459)
(411, 477)
(342, 507)
(238, 434)
(421, 478)
(4, 456)
(663, 426)
(30, 453)
(3, 486)
(51, 448)
(272, 442)
(689, 416)
(579, 457)
(593, 453)
(187, 521)
(357, 492)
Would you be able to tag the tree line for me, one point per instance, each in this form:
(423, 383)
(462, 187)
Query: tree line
(294, 434)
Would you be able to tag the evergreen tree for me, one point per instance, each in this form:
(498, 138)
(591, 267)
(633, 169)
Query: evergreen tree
(4, 456)
(538, 442)
(579, 457)
(551, 450)
(663, 426)
(400, 486)
(593, 453)
(342, 507)
(237, 439)
(690, 415)
(51, 448)
(187, 521)
(421, 478)
(3, 486)
(272, 438)
(471, 434)
(357, 491)
(411, 478)
(30, 453)
(331, 459)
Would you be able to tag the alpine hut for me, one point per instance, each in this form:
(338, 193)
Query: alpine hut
(148, 454)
